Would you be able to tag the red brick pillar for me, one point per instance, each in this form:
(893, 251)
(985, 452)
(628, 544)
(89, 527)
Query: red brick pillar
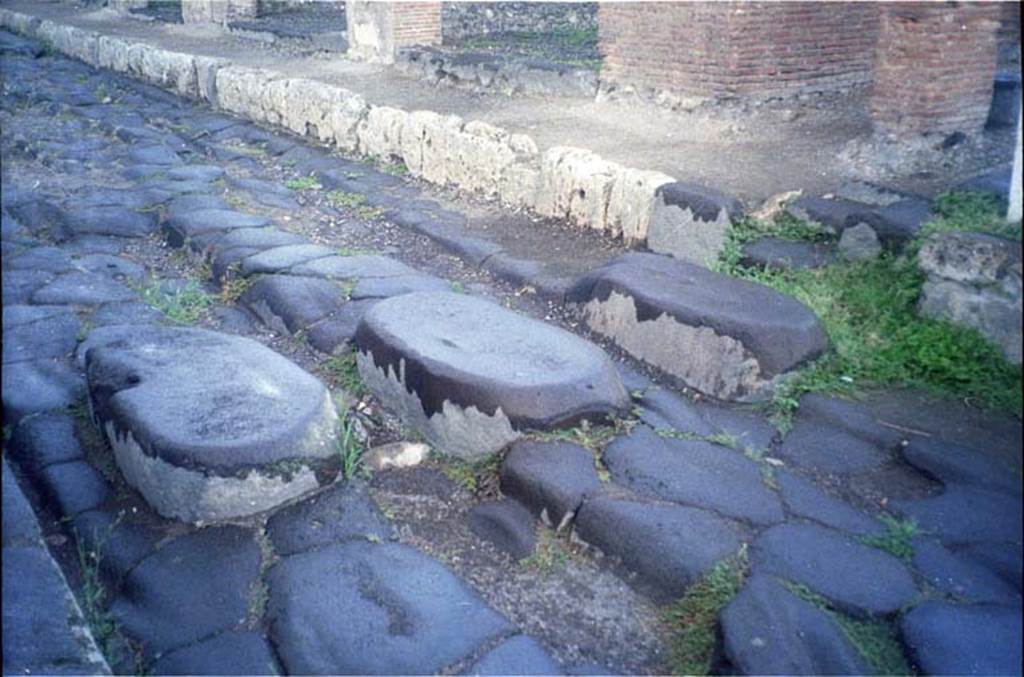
(376, 30)
(217, 11)
(935, 66)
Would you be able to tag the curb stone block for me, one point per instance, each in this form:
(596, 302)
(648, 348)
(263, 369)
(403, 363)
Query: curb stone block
(691, 222)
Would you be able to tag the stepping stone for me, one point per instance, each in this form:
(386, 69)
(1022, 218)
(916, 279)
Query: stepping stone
(190, 588)
(692, 472)
(725, 337)
(469, 374)
(82, 289)
(767, 630)
(207, 426)
(966, 514)
(358, 266)
(231, 653)
(552, 478)
(279, 259)
(180, 228)
(287, 303)
(952, 464)
(43, 440)
(520, 655)
(669, 546)
(39, 385)
(506, 524)
(806, 500)
(344, 512)
(365, 608)
(114, 221)
(950, 639)
(786, 254)
(858, 579)
(961, 577)
(52, 337)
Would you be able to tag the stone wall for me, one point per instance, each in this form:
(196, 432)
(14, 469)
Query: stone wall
(464, 19)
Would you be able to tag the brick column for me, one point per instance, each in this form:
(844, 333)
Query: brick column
(935, 66)
(126, 5)
(217, 11)
(376, 30)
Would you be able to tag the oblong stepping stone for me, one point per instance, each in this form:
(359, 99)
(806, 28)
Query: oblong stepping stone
(469, 374)
(205, 425)
(726, 337)
(856, 578)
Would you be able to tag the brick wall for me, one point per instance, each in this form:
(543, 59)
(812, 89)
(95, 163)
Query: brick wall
(416, 23)
(738, 48)
(934, 66)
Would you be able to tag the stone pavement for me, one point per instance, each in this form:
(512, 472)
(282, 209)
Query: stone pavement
(125, 209)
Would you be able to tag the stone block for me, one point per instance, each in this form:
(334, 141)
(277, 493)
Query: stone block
(691, 222)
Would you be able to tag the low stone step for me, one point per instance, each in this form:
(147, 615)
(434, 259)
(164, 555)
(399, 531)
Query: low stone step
(728, 338)
(205, 425)
(471, 375)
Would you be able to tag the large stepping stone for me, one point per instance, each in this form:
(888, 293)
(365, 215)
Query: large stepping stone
(470, 375)
(857, 579)
(669, 546)
(767, 630)
(207, 426)
(950, 639)
(726, 337)
(365, 608)
(551, 478)
(692, 472)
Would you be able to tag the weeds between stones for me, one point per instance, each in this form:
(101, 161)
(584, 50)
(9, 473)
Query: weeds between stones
(185, 306)
(550, 554)
(368, 213)
(394, 168)
(876, 641)
(343, 372)
(350, 450)
(898, 539)
(869, 311)
(303, 183)
(590, 437)
(480, 478)
(694, 616)
(232, 288)
(343, 199)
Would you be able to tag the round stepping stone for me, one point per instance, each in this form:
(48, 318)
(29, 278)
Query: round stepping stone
(726, 337)
(469, 374)
(205, 425)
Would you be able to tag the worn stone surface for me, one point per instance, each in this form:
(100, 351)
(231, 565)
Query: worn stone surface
(73, 487)
(121, 539)
(965, 514)
(815, 442)
(693, 472)
(961, 577)
(786, 254)
(806, 500)
(19, 285)
(953, 464)
(386, 287)
(856, 578)
(723, 336)
(116, 221)
(520, 655)
(1005, 560)
(370, 608)
(281, 258)
(50, 337)
(669, 546)
(691, 222)
(289, 303)
(506, 524)
(181, 227)
(767, 630)
(468, 374)
(18, 519)
(39, 385)
(551, 478)
(82, 289)
(953, 639)
(231, 653)
(198, 419)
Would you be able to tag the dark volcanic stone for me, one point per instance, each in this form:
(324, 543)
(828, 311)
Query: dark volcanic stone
(804, 499)
(705, 203)
(47, 259)
(520, 655)
(83, 289)
(19, 520)
(195, 173)
(339, 327)
(125, 312)
(45, 439)
(231, 653)
(966, 514)
(961, 577)
(154, 155)
(189, 203)
(74, 487)
(367, 608)
(290, 303)
(819, 445)
(19, 285)
(693, 472)
(357, 266)
(19, 314)
(1006, 560)
(506, 524)
(551, 478)
(257, 238)
(281, 258)
(767, 630)
(669, 546)
(115, 221)
(344, 512)
(665, 410)
(858, 579)
(54, 336)
(786, 254)
(950, 639)
(121, 539)
(181, 227)
(39, 385)
(386, 287)
(952, 464)
(114, 267)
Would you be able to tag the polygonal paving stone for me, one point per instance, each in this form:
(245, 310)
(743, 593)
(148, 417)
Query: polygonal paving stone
(786, 254)
(804, 499)
(48, 259)
(818, 445)
(39, 385)
(195, 173)
(951, 639)
(520, 655)
(281, 258)
(154, 155)
(42, 440)
(961, 577)
(19, 314)
(115, 221)
(669, 546)
(693, 472)
(189, 203)
(287, 303)
(82, 289)
(726, 337)
(19, 285)
(856, 578)
(552, 478)
(966, 514)
(125, 312)
(207, 426)
(952, 464)
(120, 539)
(230, 653)
(54, 336)
(183, 226)
(365, 608)
(469, 374)
(767, 630)
(386, 287)
(258, 238)
(114, 267)
(1005, 560)
(357, 266)
(74, 487)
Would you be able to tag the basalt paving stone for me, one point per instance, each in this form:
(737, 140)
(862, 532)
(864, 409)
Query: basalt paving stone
(19, 521)
(952, 464)
(226, 262)
(190, 588)
(184, 204)
(366, 608)
(966, 514)
(520, 655)
(52, 337)
(767, 630)
(669, 546)
(45, 439)
(120, 540)
(203, 423)
(37, 214)
(181, 227)
(665, 410)
(786, 254)
(692, 472)
(338, 328)
(951, 639)
(805, 499)
(818, 445)
(858, 579)
(850, 416)
(230, 653)
(114, 267)
(39, 385)
(506, 524)
(552, 478)
(74, 487)
(386, 287)
(357, 266)
(1006, 560)
(280, 259)
(47, 259)
(469, 374)
(116, 197)
(723, 336)
(259, 238)
(154, 155)
(95, 244)
(115, 221)
(343, 512)
(961, 577)
(266, 193)
(288, 303)
(195, 173)
(125, 312)
(234, 320)
(144, 171)
(19, 285)
(82, 289)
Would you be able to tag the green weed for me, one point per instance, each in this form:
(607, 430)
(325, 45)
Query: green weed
(550, 554)
(343, 371)
(368, 213)
(303, 183)
(897, 539)
(345, 200)
(477, 477)
(350, 450)
(184, 306)
(355, 251)
(970, 211)
(232, 288)
(243, 149)
(394, 168)
(457, 287)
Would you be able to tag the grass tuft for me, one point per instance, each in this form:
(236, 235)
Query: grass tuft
(343, 372)
(350, 450)
(303, 183)
(550, 554)
(184, 306)
(479, 477)
(897, 539)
